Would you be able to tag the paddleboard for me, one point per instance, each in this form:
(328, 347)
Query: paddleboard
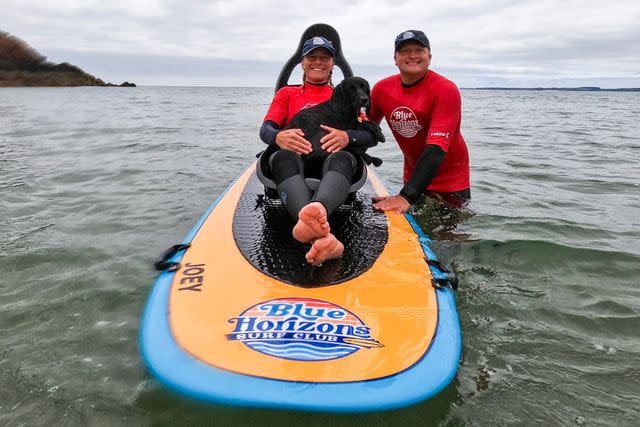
(239, 317)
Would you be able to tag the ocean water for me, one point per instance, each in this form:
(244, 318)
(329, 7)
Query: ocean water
(96, 182)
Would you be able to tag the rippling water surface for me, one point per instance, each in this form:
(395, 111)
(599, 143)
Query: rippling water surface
(95, 182)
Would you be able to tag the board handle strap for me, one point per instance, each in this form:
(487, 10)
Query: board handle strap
(450, 278)
(164, 263)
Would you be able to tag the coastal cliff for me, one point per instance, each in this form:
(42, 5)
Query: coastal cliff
(21, 65)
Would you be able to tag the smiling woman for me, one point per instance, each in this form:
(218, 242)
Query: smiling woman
(289, 149)
(317, 67)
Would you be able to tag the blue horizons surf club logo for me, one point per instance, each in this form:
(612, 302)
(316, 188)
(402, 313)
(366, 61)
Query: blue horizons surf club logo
(302, 329)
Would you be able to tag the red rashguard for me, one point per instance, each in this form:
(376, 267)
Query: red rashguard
(427, 113)
(291, 99)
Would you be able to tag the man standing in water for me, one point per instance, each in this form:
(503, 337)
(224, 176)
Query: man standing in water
(423, 110)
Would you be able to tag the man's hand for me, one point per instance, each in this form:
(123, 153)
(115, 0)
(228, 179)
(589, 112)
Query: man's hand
(391, 203)
(293, 139)
(335, 140)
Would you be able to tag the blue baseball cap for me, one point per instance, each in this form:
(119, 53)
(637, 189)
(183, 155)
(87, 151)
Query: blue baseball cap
(412, 35)
(314, 43)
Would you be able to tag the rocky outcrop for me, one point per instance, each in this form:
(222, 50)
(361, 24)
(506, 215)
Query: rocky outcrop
(21, 65)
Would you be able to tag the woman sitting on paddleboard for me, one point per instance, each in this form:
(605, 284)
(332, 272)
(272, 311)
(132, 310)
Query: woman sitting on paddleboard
(290, 162)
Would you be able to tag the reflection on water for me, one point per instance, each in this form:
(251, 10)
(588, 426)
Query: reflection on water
(440, 220)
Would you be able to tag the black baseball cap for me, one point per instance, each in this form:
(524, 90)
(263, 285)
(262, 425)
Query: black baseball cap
(412, 35)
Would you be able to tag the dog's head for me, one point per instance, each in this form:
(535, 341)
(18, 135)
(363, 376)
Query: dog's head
(353, 93)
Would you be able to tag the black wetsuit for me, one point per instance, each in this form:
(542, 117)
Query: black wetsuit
(335, 171)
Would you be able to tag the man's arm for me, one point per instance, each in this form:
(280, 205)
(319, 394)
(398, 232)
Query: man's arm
(423, 174)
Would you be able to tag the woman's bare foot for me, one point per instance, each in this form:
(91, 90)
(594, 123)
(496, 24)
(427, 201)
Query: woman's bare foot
(324, 248)
(312, 223)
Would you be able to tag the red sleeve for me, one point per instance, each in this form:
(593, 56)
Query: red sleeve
(445, 119)
(279, 108)
(376, 108)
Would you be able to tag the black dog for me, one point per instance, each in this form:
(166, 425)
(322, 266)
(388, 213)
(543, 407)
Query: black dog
(341, 111)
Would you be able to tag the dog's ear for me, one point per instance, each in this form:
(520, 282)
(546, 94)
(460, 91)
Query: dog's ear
(367, 90)
(364, 89)
(367, 87)
(338, 92)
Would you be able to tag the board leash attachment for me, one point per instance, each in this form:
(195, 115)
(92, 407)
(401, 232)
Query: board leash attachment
(164, 263)
(448, 279)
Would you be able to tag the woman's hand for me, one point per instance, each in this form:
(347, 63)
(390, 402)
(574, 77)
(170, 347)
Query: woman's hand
(293, 139)
(391, 203)
(335, 140)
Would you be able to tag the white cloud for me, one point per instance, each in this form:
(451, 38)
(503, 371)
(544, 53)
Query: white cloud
(570, 39)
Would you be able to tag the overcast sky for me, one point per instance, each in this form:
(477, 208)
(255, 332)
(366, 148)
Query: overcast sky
(245, 43)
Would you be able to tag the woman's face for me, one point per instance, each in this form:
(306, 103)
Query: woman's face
(317, 65)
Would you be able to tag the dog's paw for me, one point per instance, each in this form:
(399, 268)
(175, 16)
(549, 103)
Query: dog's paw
(374, 130)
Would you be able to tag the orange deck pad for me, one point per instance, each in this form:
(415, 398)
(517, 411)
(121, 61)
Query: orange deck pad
(394, 298)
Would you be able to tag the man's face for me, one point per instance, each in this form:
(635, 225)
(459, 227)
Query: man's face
(412, 58)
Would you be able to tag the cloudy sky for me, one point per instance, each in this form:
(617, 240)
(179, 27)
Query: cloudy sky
(244, 43)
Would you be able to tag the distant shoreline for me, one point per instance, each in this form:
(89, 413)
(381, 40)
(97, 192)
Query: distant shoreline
(23, 66)
(562, 89)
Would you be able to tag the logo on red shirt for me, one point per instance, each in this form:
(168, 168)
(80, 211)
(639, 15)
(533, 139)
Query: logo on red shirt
(404, 121)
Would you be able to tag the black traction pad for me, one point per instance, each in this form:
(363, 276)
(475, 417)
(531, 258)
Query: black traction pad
(262, 231)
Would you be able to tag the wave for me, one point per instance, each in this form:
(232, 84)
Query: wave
(547, 252)
(308, 358)
(301, 351)
(303, 346)
(301, 355)
(279, 350)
